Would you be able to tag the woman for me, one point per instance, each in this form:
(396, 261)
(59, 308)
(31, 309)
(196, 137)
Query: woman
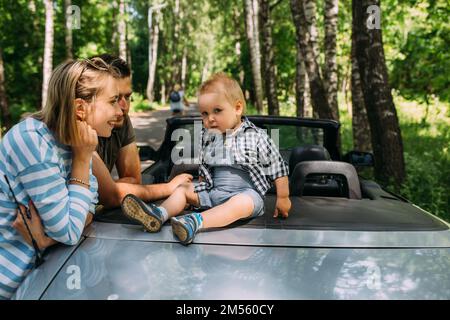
(46, 161)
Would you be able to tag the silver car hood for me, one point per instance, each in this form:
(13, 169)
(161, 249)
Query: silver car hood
(122, 262)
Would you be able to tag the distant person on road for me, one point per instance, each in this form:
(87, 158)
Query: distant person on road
(177, 100)
(238, 164)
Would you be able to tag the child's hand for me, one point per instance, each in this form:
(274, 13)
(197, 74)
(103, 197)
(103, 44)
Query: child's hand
(283, 206)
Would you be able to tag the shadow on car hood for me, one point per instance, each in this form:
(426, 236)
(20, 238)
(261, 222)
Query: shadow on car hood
(281, 237)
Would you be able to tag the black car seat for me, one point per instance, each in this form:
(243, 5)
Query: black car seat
(325, 179)
(314, 174)
(307, 153)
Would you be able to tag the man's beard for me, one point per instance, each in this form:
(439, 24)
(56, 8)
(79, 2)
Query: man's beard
(119, 123)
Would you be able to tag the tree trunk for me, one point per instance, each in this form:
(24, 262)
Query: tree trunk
(310, 9)
(176, 62)
(385, 130)
(205, 71)
(251, 13)
(360, 123)
(318, 94)
(122, 30)
(330, 67)
(300, 79)
(153, 32)
(69, 24)
(5, 119)
(184, 68)
(268, 58)
(48, 49)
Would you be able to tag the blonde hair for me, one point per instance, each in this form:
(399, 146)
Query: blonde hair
(223, 84)
(70, 80)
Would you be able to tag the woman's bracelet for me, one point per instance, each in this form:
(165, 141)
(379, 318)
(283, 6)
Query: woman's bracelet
(80, 181)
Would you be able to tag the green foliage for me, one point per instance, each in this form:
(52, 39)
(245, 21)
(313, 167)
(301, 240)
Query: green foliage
(139, 103)
(421, 59)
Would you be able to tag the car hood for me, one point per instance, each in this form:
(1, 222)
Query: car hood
(122, 262)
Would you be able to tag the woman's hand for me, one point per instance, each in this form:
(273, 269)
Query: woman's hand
(35, 225)
(87, 142)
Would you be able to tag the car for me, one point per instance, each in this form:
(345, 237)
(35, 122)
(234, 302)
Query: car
(345, 238)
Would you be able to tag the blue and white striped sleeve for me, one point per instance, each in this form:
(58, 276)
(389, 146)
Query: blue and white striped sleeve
(63, 208)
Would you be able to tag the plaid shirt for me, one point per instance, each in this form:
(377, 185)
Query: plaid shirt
(251, 148)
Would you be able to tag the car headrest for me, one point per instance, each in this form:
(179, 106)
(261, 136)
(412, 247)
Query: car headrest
(299, 176)
(307, 153)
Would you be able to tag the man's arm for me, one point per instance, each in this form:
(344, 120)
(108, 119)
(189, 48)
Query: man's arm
(128, 164)
(111, 193)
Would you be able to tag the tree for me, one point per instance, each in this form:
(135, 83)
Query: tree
(386, 136)
(69, 38)
(153, 32)
(48, 49)
(252, 31)
(300, 80)
(360, 123)
(330, 66)
(318, 93)
(122, 30)
(268, 58)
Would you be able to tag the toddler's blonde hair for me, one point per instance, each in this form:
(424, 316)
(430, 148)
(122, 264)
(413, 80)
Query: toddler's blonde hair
(222, 83)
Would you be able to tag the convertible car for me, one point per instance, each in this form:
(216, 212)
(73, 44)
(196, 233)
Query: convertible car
(345, 238)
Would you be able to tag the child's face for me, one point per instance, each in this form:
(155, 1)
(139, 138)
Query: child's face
(217, 112)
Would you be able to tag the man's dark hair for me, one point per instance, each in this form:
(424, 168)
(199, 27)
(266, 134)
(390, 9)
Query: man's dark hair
(116, 62)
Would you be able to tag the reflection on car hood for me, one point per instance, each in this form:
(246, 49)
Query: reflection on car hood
(131, 264)
(118, 269)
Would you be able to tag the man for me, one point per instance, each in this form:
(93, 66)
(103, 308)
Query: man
(121, 150)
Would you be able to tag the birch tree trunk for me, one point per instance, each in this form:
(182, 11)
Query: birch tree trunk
(122, 31)
(251, 14)
(385, 130)
(5, 119)
(318, 95)
(184, 69)
(176, 62)
(48, 49)
(268, 58)
(68, 36)
(152, 54)
(310, 11)
(330, 67)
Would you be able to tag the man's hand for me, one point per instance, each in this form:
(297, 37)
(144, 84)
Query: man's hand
(179, 179)
(35, 225)
(282, 207)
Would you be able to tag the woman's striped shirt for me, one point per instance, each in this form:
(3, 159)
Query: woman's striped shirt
(38, 169)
